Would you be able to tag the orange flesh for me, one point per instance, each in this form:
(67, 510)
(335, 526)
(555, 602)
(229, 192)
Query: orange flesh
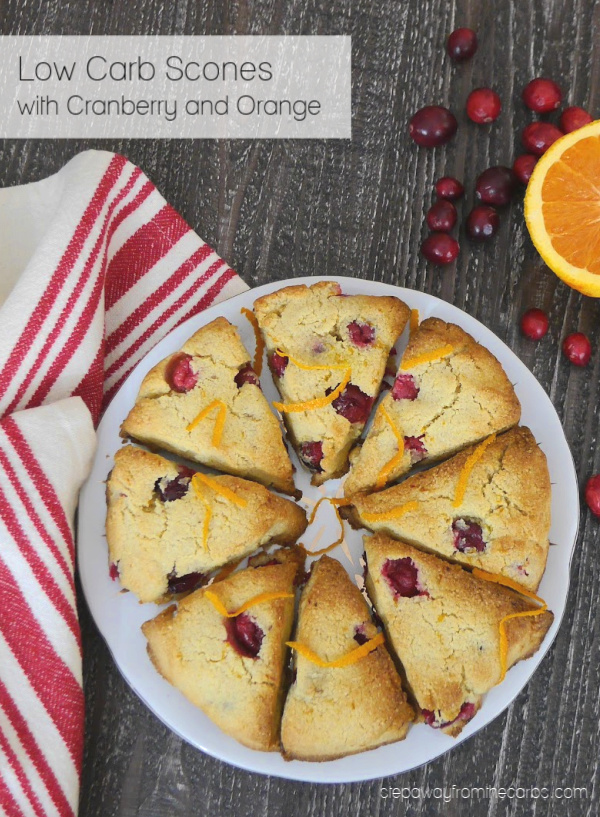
(346, 660)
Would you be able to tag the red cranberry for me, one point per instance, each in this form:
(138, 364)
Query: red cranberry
(538, 137)
(244, 635)
(462, 44)
(534, 324)
(185, 584)
(246, 375)
(432, 126)
(353, 404)
(495, 185)
(403, 578)
(361, 334)
(179, 375)
(169, 490)
(441, 216)
(278, 364)
(574, 118)
(449, 188)
(311, 455)
(482, 223)
(483, 106)
(542, 95)
(592, 494)
(113, 571)
(467, 711)
(523, 167)
(577, 348)
(440, 248)
(359, 634)
(405, 388)
(415, 446)
(468, 536)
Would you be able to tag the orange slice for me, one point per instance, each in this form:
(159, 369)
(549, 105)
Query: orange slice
(562, 208)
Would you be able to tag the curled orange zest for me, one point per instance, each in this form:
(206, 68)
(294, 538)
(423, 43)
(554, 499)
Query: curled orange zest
(262, 597)
(336, 504)
(470, 463)
(395, 513)
(397, 458)
(414, 321)
(491, 577)
(208, 509)
(427, 357)
(260, 344)
(309, 367)
(346, 660)
(219, 424)
(318, 402)
(223, 490)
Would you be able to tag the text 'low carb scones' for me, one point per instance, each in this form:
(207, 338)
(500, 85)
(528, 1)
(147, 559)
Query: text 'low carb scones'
(347, 695)
(455, 633)
(487, 507)
(449, 392)
(167, 527)
(224, 648)
(205, 403)
(327, 353)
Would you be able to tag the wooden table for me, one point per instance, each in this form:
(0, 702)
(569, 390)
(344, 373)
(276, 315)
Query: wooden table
(278, 209)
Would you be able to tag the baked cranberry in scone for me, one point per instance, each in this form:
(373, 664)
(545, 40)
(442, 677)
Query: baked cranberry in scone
(327, 354)
(205, 403)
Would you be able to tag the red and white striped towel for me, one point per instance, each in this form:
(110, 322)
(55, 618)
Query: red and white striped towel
(95, 268)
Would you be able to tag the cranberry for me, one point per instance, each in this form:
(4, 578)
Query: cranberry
(416, 448)
(113, 571)
(482, 223)
(244, 635)
(246, 375)
(185, 584)
(353, 404)
(462, 44)
(311, 455)
(483, 106)
(467, 711)
(577, 348)
(534, 324)
(574, 118)
(278, 364)
(523, 167)
(405, 388)
(592, 494)
(449, 188)
(403, 578)
(179, 375)
(440, 248)
(361, 334)
(542, 95)
(170, 489)
(432, 126)
(359, 634)
(538, 137)
(441, 216)
(495, 185)
(468, 536)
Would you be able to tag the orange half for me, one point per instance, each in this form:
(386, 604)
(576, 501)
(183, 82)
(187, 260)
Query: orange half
(562, 208)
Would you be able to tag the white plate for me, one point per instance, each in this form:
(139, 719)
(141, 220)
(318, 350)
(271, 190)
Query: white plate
(119, 615)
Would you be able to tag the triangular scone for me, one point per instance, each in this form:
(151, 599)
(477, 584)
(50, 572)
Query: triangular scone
(232, 668)
(449, 392)
(331, 712)
(212, 371)
(164, 530)
(315, 328)
(487, 507)
(444, 625)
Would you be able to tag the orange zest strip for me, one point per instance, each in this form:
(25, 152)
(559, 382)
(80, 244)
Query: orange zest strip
(491, 577)
(262, 597)
(346, 660)
(219, 424)
(395, 513)
(223, 490)
(336, 504)
(308, 367)
(208, 509)
(397, 458)
(318, 402)
(427, 357)
(470, 463)
(414, 321)
(260, 344)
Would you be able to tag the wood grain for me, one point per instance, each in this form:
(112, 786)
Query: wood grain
(277, 209)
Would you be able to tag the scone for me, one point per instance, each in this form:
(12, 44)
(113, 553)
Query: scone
(205, 403)
(231, 666)
(487, 507)
(328, 354)
(167, 528)
(445, 626)
(335, 711)
(449, 392)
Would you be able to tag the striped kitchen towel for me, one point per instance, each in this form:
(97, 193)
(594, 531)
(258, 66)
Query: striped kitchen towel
(95, 268)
